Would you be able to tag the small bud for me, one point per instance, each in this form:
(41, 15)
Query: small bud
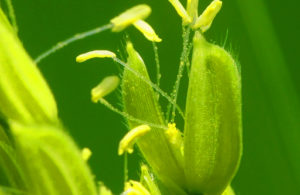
(212, 135)
(86, 153)
(206, 18)
(105, 87)
(95, 54)
(127, 142)
(181, 11)
(130, 16)
(147, 31)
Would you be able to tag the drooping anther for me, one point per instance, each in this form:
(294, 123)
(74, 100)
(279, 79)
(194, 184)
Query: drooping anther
(95, 54)
(126, 144)
(105, 87)
(130, 16)
(205, 20)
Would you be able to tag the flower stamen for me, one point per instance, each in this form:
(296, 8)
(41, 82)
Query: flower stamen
(181, 11)
(95, 54)
(205, 20)
(126, 144)
(130, 16)
(105, 87)
(147, 31)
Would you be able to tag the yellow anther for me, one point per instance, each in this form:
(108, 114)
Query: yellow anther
(86, 153)
(130, 16)
(126, 144)
(105, 87)
(181, 11)
(175, 139)
(206, 18)
(95, 54)
(173, 134)
(135, 188)
(192, 8)
(147, 30)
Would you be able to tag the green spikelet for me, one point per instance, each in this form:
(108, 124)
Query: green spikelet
(53, 163)
(140, 101)
(25, 95)
(212, 143)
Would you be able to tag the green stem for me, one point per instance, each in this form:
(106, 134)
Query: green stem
(158, 74)
(72, 39)
(183, 59)
(11, 14)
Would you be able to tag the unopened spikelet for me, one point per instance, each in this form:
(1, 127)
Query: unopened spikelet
(130, 16)
(212, 140)
(24, 93)
(51, 160)
(140, 101)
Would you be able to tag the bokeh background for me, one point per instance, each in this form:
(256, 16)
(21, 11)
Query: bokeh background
(263, 35)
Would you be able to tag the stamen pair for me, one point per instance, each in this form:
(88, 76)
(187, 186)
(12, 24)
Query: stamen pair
(204, 21)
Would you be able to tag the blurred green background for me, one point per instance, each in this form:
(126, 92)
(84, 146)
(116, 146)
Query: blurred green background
(263, 35)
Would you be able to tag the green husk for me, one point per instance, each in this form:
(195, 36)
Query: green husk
(212, 143)
(140, 101)
(25, 95)
(52, 162)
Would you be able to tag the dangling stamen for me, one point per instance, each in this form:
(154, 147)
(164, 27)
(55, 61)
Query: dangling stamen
(106, 86)
(95, 54)
(116, 24)
(130, 16)
(126, 144)
(147, 31)
(90, 55)
(206, 18)
(181, 11)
